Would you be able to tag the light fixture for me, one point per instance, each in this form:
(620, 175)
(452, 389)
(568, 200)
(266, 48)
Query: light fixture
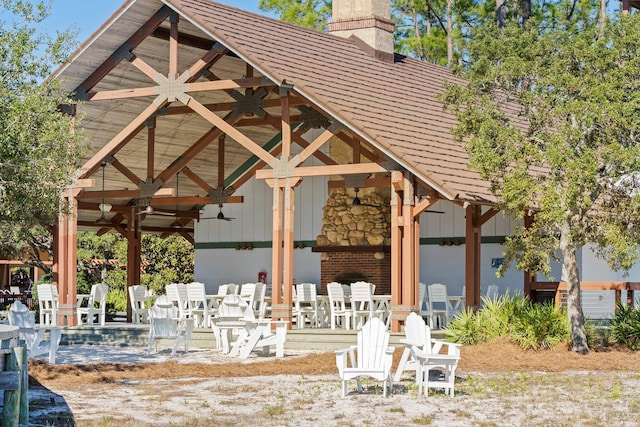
(102, 220)
(356, 199)
(465, 205)
(105, 207)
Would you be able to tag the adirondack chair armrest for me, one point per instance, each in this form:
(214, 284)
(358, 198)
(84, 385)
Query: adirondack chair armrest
(452, 348)
(341, 358)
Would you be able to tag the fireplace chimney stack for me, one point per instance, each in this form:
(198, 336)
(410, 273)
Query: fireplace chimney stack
(369, 21)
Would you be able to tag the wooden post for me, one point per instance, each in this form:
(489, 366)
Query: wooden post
(278, 310)
(15, 362)
(22, 356)
(396, 249)
(287, 267)
(133, 255)
(65, 259)
(472, 256)
(529, 278)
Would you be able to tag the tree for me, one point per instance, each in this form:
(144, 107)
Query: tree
(164, 261)
(550, 117)
(310, 13)
(39, 144)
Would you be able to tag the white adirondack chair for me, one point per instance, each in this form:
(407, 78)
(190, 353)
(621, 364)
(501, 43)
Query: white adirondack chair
(21, 316)
(306, 305)
(96, 306)
(48, 304)
(140, 303)
(423, 354)
(362, 305)
(371, 357)
(437, 305)
(178, 294)
(339, 313)
(198, 304)
(258, 334)
(165, 323)
(232, 314)
(492, 292)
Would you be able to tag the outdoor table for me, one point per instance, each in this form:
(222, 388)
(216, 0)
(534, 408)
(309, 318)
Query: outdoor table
(455, 303)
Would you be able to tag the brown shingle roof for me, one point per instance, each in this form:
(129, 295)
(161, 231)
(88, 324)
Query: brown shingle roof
(391, 105)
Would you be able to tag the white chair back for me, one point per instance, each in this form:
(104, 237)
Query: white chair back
(48, 304)
(492, 292)
(140, 303)
(338, 306)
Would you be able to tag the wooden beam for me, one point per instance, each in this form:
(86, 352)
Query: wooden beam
(285, 125)
(195, 149)
(125, 171)
(151, 146)
(196, 179)
(184, 39)
(123, 194)
(189, 87)
(231, 131)
(487, 216)
(138, 37)
(423, 206)
(317, 143)
(173, 44)
(192, 200)
(123, 93)
(326, 170)
(369, 182)
(227, 106)
(363, 151)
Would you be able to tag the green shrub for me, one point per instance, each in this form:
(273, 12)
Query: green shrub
(530, 325)
(625, 326)
(541, 325)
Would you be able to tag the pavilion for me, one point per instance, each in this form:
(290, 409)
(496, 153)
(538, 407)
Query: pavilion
(184, 101)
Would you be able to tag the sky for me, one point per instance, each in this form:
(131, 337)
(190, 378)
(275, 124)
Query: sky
(87, 15)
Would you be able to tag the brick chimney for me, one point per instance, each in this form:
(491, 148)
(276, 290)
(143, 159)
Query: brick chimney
(368, 20)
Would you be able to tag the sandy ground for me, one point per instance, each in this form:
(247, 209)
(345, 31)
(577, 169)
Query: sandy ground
(482, 398)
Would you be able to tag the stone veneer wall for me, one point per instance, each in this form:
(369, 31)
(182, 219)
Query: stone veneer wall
(344, 224)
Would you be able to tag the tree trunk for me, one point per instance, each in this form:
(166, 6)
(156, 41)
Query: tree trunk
(449, 34)
(501, 13)
(526, 12)
(571, 276)
(602, 15)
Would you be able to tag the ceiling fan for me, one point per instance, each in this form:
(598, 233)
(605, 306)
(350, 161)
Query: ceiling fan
(149, 210)
(220, 215)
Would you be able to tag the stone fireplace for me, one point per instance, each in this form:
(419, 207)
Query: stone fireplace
(355, 239)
